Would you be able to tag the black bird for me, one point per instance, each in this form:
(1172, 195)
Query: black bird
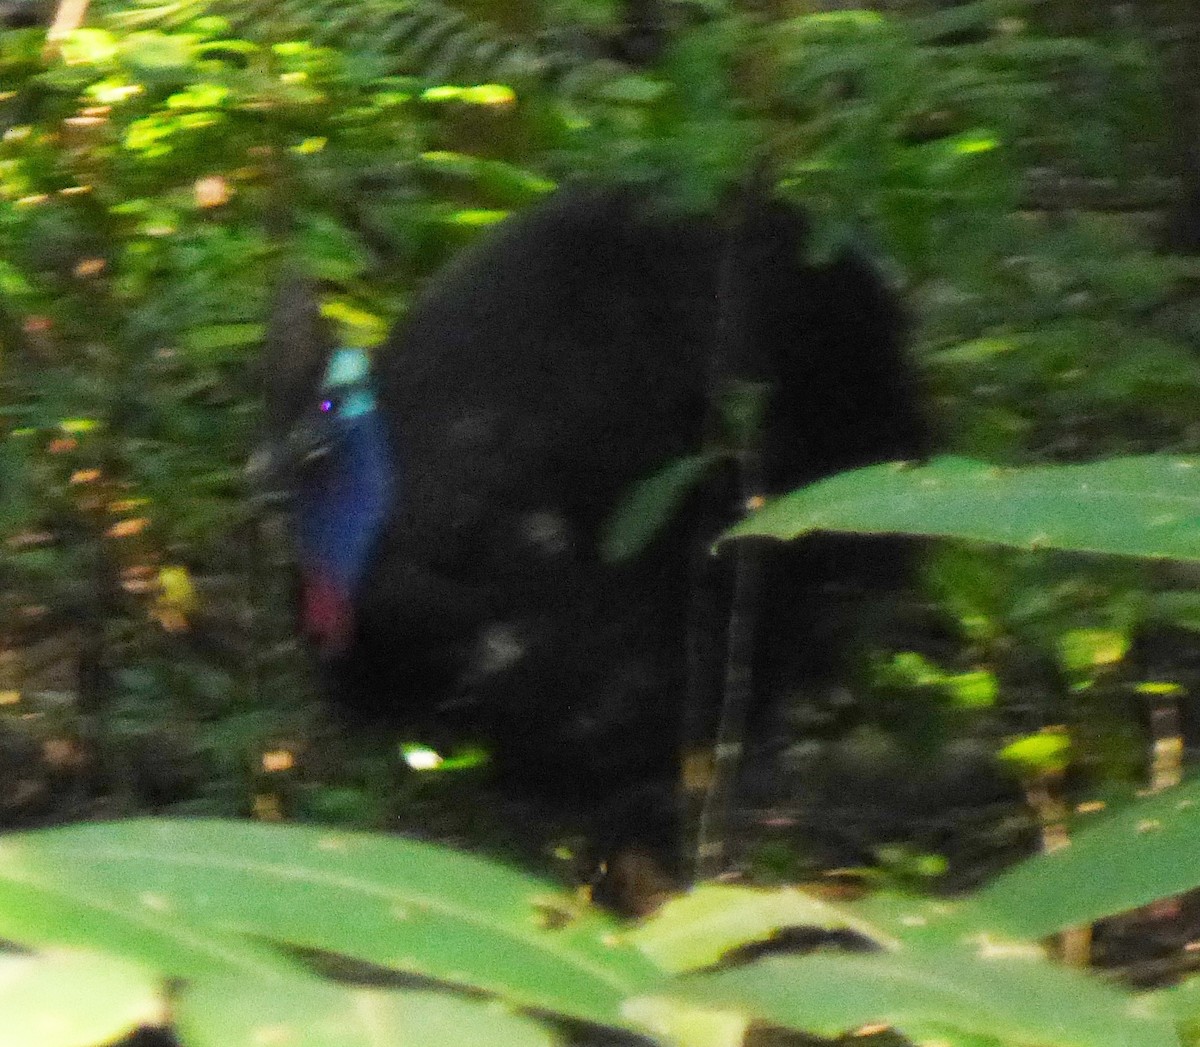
(450, 498)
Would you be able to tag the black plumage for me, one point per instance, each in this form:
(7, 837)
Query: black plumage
(563, 358)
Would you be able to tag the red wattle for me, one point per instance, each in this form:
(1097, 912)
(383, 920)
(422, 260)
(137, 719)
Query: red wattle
(326, 612)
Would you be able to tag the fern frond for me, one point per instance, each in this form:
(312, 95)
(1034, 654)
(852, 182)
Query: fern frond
(430, 40)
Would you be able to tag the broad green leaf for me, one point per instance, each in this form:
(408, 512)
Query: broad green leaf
(698, 928)
(688, 1026)
(310, 1013)
(1143, 852)
(971, 17)
(79, 426)
(1182, 1001)
(1011, 994)
(40, 906)
(1143, 506)
(409, 906)
(107, 998)
(226, 47)
(648, 508)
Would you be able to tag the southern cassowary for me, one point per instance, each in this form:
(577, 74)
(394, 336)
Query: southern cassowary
(448, 504)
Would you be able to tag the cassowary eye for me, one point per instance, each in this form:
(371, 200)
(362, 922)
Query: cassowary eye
(326, 406)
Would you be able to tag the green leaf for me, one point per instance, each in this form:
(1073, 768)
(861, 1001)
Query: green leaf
(686, 1026)
(509, 183)
(648, 508)
(698, 928)
(356, 327)
(633, 89)
(107, 998)
(978, 689)
(152, 52)
(970, 17)
(472, 217)
(1048, 750)
(310, 1013)
(1011, 994)
(409, 906)
(1129, 859)
(1139, 506)
(91, 46)
(328, 251)
(1088, 650)
(213, 340)
(1182, 1001)
(976, 351)
(40, 906)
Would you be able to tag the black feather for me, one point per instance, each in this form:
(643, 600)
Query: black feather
(558, 362)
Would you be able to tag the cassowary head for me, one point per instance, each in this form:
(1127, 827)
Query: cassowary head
(326, 452)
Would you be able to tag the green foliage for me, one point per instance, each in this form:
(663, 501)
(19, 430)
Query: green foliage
(694, 931)
(436, 41)
(1047, 752)
(314, 1014)
(956, 996)
(652, 504)
(1070, 629)
(976, 689)
(1141, 506)
(445, 916)
(431, 924)
(1137, 855)
(151, 178)
(107, 998)
(156, 172)
(150, 181)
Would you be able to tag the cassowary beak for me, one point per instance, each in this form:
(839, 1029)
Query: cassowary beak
(277, 468)
(269, 475)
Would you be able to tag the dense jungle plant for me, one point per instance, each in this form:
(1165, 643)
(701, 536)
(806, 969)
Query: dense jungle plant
(158, 170)
(160, 162)
(323, 937)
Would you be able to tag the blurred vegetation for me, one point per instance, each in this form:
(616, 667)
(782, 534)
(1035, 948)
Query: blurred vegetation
(1024, 172)
(1013, 168)
(326, 938)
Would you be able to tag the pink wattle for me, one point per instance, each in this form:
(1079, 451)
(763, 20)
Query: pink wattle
(326, 613)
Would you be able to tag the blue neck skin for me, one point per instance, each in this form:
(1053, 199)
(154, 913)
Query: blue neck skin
(341, 514)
